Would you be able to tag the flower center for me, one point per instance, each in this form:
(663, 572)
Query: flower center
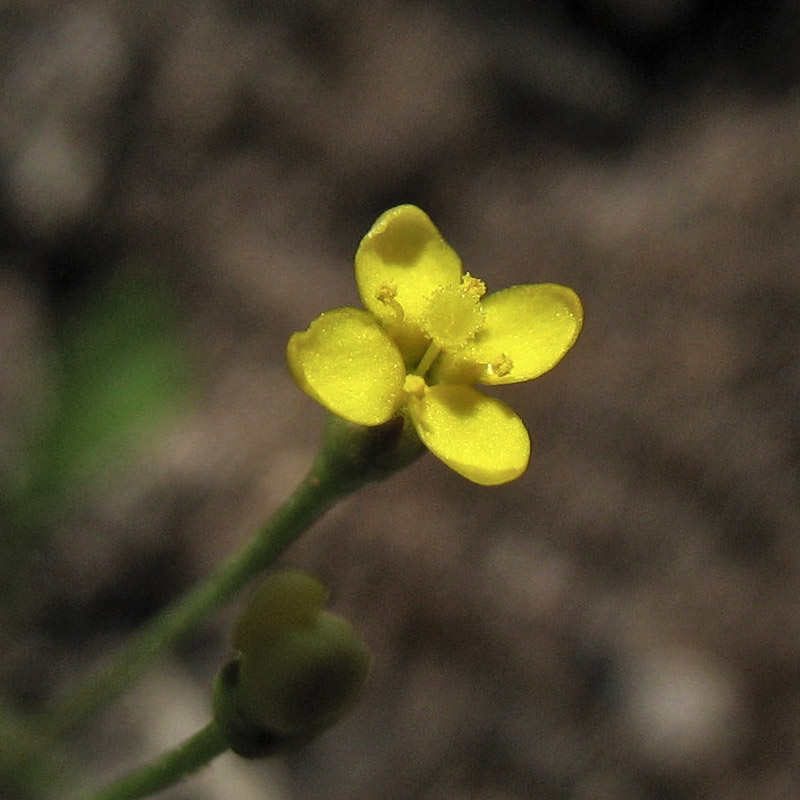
(454, 314)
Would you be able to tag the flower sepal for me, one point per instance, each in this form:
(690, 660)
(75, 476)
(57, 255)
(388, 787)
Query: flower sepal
(353, 455)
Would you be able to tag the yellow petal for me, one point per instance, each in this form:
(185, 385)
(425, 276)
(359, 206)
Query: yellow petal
(401, 262)
(348, 363)
(527, 331)
(479, 437)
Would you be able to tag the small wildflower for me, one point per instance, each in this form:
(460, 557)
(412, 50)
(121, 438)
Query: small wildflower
(428, 334)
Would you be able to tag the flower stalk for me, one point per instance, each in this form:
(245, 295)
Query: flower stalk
(168, 769)
(351, 455)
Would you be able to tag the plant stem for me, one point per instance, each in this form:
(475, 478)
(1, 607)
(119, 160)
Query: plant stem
(167, 769)
(314, 495)
(350, 456)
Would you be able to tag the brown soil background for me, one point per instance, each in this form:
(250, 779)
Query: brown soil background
(621, 622)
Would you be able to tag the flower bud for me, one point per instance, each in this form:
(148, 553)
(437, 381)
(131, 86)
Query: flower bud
(298, 668)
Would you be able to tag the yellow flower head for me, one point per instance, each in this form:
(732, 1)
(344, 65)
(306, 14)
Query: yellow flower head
(428, 334)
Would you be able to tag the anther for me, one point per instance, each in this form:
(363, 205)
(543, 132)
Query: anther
(387, 295)
(501, 367)
(415, 386)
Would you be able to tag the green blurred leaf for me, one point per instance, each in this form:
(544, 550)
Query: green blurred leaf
(123, 372)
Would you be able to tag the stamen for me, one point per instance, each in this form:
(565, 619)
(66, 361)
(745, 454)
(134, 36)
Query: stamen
(501, 367)
(472, 286)
(388, 296)
(415, 386)
(431, 354)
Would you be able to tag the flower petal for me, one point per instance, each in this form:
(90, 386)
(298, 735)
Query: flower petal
(348, 363)
(479, 437)
(403, 254)
(527, 331)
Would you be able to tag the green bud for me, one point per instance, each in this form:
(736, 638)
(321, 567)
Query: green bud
(286, 601)
(298, 669)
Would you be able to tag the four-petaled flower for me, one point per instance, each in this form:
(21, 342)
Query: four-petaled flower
(427, 335)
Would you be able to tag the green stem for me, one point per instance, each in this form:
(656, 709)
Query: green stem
(350, 456)
(314, 495)
(167, 769)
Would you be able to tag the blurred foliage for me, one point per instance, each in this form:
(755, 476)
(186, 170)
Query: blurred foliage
(119, 371)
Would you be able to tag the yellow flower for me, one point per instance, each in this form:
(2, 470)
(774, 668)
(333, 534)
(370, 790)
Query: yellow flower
(428, 334)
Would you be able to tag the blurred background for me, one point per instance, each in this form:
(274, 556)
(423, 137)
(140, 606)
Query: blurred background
(183, 185)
